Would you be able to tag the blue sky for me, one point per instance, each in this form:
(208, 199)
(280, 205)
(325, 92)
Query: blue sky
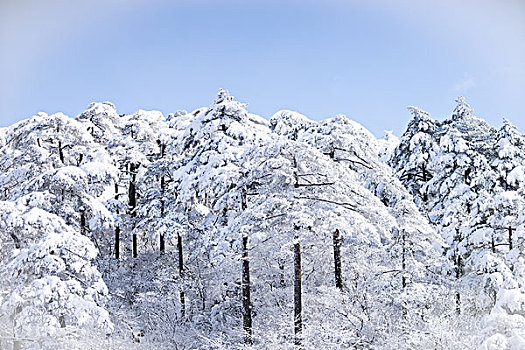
(366, 59)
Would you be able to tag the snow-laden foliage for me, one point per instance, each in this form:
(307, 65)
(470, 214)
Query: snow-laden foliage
(219, 229)
(473, 195)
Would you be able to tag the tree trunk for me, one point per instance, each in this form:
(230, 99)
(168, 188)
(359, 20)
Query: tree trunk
(337, 260)
(62, 321)
(162, 244)
(17, 345)
(162, 241)
(82, 223)
(403, 268)
(459, 270)
(298, 319)
(135, 249)
(281, 269)
(181, 274)
(510, 238)
(60, 152)
(132, 203)
(117, 229)
(117, 242)
(403, 262)
(132, 193)
(458, 275)
(246, 302)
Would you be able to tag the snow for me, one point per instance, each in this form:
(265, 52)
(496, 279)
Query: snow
(420, 220)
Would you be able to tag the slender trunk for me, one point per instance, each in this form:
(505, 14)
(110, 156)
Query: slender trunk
(246, 303)
(82, 222)
(403, 268)
(337, 260)
(459, 272)
(16, 240)
(132, 203)
(458, 275)
(62, 321)
(458, 303)
(298, 319)
(162, 244)
(132, 193)
(510, 238)
(17, 345)
(117, 242)
(181, 274)
(117, 229)
(281, 269)
(60, 152)
(162, 241)
(135, 250)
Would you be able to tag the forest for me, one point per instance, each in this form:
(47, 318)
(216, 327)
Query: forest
(221, 229)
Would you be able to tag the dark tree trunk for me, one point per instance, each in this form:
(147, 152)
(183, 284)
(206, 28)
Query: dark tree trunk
(117, 242)
(337, 260)
(135, 248)
(162, 241)
(459, 270)
(132, 203)
(82, 222)
(162, 244)
(60, 152)
(246, 302)
(510, 238)
(62, 321)
(181, 274)
(132, 195)
(458, 275)
(16, 240)
(117, 229)
(281, 268)
(403, 268)
(298, 319)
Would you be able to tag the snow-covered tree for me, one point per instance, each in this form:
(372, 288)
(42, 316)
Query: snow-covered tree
(52, 288)
(510, 160)
(411, 159)
(220, 229)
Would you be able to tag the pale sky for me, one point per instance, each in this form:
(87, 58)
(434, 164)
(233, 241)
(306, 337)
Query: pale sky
(366, 59)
